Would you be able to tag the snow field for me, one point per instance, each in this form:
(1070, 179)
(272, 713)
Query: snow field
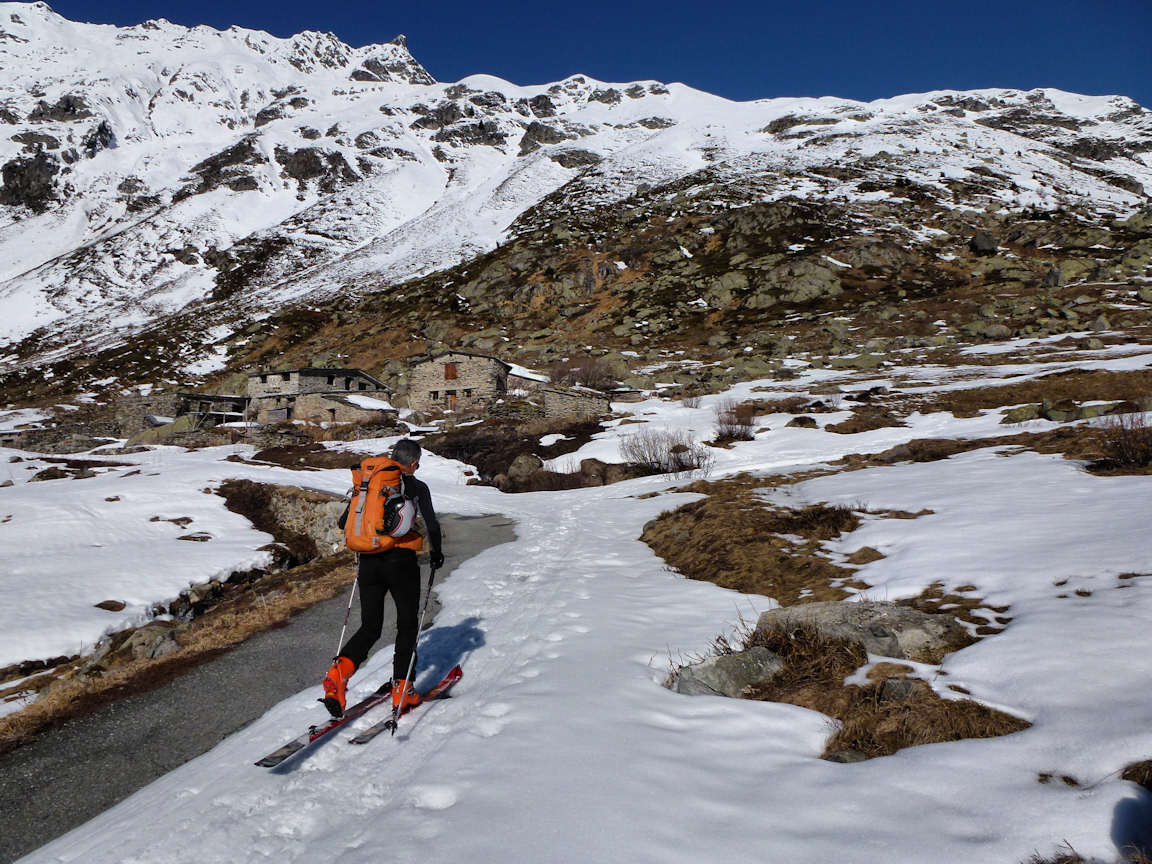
(561, 745)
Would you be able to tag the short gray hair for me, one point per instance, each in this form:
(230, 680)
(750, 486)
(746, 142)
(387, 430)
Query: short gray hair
(406, 451)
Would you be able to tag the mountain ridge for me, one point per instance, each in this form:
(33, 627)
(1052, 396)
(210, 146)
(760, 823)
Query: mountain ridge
(208, 192)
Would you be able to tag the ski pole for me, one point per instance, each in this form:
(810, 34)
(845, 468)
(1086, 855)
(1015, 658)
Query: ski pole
(412, 659)
(348, 611)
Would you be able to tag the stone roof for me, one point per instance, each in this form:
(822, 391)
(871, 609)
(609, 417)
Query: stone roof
(465, 354)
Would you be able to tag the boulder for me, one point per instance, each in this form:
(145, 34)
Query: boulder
(983, 243)
(542, 106)
(859, 361)
(524, 466)
(802, 422)
(804, 281)
(728, 674)
(1021, 414)
(540, 133)
(883, 628)
(597, 473)
(150, 642)
(28, 181)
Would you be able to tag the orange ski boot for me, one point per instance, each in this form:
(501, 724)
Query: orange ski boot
(335, 683)
(404, 696)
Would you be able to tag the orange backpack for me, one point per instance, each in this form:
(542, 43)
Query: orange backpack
(380, 515)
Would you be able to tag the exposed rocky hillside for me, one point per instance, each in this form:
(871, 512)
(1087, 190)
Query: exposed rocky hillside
(182, 204)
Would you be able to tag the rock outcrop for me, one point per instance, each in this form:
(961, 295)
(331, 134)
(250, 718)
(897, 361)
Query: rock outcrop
(884, 629)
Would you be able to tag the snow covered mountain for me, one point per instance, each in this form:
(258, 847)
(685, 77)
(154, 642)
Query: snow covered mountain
(194, 181)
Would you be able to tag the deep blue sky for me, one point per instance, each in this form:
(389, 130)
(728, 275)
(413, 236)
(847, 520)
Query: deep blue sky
(742, 50)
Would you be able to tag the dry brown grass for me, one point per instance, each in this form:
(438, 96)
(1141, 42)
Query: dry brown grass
(267, 604)
(787, 405)
(888, 714)
(1140, 773)
(311, 455)
(1067, 855)
(960, 603)
(253, 501)
(733, 538)
(1075, 384)
(492, 446)
(865, 419)
(1081, 443)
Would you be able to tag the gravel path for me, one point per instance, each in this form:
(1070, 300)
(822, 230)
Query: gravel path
(73, 772)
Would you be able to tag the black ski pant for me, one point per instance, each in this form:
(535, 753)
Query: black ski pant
(397, 572)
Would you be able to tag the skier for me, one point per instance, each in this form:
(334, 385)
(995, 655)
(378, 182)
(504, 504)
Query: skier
(394, 570)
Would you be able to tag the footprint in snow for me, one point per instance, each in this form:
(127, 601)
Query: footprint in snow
(433, 797)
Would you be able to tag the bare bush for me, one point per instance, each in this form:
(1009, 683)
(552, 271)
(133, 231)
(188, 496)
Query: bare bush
(591, 372)
(664, 451)
(734, 420)
(1126, 441)
(691, 400)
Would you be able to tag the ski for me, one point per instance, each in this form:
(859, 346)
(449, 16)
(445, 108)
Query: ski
(315, 733)
(437, 692)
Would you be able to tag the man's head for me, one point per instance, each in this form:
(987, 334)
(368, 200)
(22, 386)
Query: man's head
(406, 452)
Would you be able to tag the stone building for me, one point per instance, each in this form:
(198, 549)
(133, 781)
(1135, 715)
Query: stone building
(317, 395)
(457, 381)
(575, 402)
(324, 408)
(294, 382)
(134, 414)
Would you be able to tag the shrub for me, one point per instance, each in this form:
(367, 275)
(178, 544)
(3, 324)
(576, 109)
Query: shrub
(734, 420)
(1126, 441)
(663, 451)
(591, 372)
(691, 400)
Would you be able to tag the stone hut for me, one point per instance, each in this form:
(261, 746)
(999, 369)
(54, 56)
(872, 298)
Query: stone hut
(457, 381)
(317, 395)
(212, 409)
(327, 408)
(294, 382)
(135, 414)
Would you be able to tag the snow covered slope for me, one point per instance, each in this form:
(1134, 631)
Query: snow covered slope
(153, 167)
(561, 745)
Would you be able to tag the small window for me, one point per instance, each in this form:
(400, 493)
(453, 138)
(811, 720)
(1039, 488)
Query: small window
(331, 380)
(434, 395)
(467, 394)
(347, 383)
(285, 376)
(263, 379)
(363, 385)
(449, 371)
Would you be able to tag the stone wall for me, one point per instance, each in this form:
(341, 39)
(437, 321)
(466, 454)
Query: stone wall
(328, 408)
(575, 403)
(131, 412)
(457, 381)
(298, 381)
